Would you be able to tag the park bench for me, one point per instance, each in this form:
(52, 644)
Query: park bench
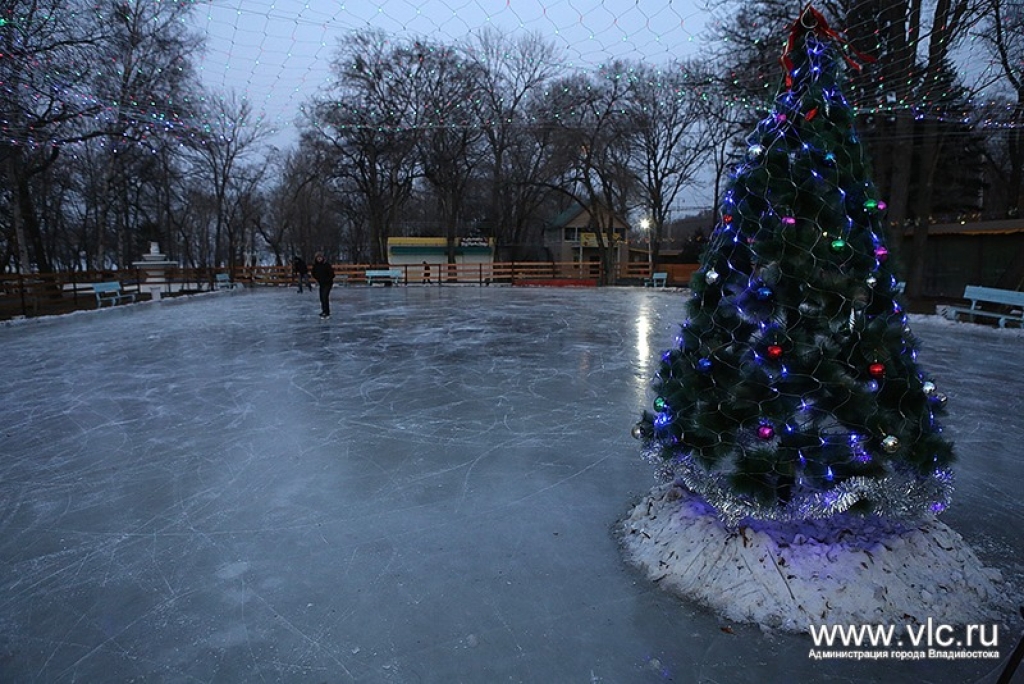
(388, 276)
(656, 280)
(111, 292)
(223, 282)
(1003, 305)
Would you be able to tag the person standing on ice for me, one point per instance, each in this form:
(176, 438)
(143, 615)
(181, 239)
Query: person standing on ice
(323, 273)
(301, 271)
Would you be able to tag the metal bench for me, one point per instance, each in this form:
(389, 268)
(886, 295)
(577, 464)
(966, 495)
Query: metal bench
(388, 276)
(656, 280)
(1010, 305)
(112, 293)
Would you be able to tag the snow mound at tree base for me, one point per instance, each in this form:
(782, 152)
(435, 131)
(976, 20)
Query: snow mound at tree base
(788, 576)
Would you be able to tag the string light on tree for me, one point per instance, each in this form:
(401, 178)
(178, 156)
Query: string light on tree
(794, 392)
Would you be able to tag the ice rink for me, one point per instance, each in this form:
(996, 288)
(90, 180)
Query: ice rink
(424, 488)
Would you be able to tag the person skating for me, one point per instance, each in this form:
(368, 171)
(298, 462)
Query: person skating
(323, 273)
(301, 271)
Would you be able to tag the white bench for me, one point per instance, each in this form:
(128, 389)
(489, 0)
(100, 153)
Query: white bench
(1011, 302)
(111, 293)
(389, 276)
(223, 282)
(656, 280)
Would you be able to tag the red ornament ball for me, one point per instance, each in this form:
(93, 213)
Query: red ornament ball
(876, 370)
(765, 432)
(774, 351)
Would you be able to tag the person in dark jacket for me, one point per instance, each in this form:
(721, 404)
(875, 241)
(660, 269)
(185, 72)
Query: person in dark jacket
(301, 272)
(323, 273)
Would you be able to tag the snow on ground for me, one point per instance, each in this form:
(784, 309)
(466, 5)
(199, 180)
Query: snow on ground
(851, 570)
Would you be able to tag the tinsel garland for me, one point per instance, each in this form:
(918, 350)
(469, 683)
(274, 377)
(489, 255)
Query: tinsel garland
(898, 495)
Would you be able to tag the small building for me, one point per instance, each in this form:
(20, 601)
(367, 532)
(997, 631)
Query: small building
(571, 237)
(425, 256)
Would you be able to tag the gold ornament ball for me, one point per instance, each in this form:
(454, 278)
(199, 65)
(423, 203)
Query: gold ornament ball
(890, 444)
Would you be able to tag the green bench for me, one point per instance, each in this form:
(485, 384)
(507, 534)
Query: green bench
(656, 280)
(111, 293)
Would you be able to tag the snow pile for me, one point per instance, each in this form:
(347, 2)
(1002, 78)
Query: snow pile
(850, 570)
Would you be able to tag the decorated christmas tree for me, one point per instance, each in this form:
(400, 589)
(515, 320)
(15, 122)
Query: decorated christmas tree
(794, 392)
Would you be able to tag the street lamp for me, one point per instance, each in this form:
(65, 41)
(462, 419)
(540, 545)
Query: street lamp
(645, 225)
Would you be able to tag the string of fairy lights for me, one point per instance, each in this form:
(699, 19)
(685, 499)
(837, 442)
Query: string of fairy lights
(794, 391)
(276, 54)
(279, 52)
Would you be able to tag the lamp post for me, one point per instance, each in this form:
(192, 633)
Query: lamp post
(645, 225)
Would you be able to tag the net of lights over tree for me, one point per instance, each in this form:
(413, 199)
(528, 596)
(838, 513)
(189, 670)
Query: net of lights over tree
(794, 391)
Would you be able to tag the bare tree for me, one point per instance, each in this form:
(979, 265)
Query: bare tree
(950, 21)
(304, 212)
(515, 71)
(368, 127)
(1003, 33)
(597, 137)
(68, 80)
(45, 104)
(671, 138)
(144, 73)
(446, 86)
(226, 161)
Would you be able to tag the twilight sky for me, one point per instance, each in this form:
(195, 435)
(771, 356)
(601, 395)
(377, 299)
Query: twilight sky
(276, 52)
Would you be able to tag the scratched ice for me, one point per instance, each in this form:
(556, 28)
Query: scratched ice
(422, 489)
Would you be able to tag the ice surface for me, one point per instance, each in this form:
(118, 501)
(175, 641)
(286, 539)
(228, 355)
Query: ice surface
(422, 489)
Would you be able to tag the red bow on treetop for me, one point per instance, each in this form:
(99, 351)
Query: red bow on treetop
(813, 21)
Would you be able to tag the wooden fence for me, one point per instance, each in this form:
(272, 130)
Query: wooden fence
(47, 294)
(41, 294)
(510, 273)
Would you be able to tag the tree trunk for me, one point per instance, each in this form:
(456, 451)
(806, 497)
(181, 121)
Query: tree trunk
(27, 233)
(899, 183)
(16, 217)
